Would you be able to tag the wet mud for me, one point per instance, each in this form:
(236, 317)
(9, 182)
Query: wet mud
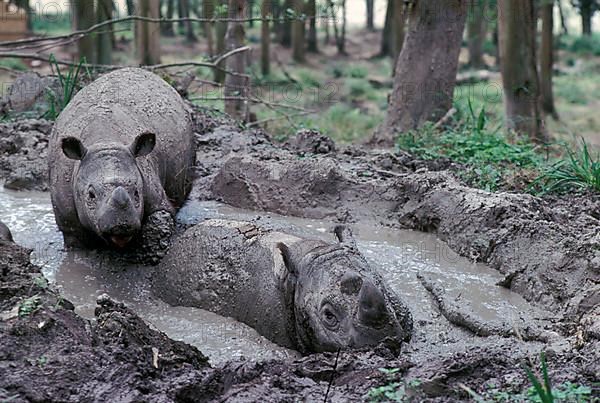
(546, 251)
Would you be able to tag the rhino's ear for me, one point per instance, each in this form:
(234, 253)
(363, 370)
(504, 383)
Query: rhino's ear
(287, 258)
(344, 235)
(73, 148)
(143, 145)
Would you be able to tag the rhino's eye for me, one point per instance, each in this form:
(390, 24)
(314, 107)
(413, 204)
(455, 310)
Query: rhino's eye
(329, 317)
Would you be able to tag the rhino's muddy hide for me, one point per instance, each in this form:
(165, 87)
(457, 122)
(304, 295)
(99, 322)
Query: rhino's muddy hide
(547, 249)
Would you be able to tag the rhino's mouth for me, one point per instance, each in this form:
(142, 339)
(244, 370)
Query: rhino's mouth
(120, 240)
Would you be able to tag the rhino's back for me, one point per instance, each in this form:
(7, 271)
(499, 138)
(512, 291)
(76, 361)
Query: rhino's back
(229, 268)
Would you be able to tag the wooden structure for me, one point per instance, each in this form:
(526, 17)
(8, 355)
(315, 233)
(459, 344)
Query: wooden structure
(13, 22)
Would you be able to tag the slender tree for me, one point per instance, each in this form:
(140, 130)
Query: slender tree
(208, 11)
(286, 24)
(104, 39)
(190, 36)
(516, 31)
(547, 58)
(221, 30)
(426, 68)
(386, 34)
(587, 8)
(236, 85)
(167, 27)
(371, 15)
(311, 11)
(476, 33)
(130, 5)
(265, 40)
(85, 17)
(298, 32)
(148, 33)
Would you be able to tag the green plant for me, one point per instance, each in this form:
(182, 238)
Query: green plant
(29, 305)
(13, 63)
(68, 85)
(578, 170)
(543, 392)
(392, 391)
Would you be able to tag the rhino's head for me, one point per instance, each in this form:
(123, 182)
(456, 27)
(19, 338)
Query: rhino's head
(108, 187)
(338, 301)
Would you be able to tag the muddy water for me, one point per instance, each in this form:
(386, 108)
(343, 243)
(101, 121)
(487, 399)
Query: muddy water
(398, 255)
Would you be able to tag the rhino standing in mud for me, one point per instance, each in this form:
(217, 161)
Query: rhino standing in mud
(308, 295)
(120, 151)
(5, 234)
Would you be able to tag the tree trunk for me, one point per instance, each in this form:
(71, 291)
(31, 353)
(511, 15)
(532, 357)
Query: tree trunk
(105, 45)
(148, 33)
(341, 40)
(167, 27)
(587, 11)
(189, 27)
(130, 7)
(312, 43)
(208, 11)
(516, 31)
(476, 31)
(221, 30)
(265, 38)
(397, 29)
(426, 69)
(86, 17)
(236, 86)
(547, 59)
(286, 25)
(371, 15)
(298, 42)
(386, 34)
(250, 13)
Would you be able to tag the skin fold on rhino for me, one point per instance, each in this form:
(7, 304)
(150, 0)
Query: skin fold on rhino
(120, 151)
(5, 234)
(303, 294)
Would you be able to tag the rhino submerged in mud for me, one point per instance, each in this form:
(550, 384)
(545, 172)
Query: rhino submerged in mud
(120, 151)
(308, 295)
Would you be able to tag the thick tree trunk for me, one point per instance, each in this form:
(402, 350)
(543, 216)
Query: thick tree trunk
(516, 31)
(190, 36)
(311, 11)
(86, 17)
(148, 33)
(236, 86)
(398, 27)
(386, 34)
(371, 15)
(265, 39)
(547, 59)
(587, 11)
(105, 44)
(298, 33)
(476, 31)
(426, 69)
(167, 27)
(286, 24)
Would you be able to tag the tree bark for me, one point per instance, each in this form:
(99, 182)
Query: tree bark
(476, 31)
(298, 31)
(105, 44)
(587, 11)
(547, 59)
(130, 7)
(86, 17)
(265, 39)
(398, 27)
(312, 43)
(221, 30)
(371, 15)
(516, 31)
(236, 86)
(148, 33)
(426, 69)
(386, 34)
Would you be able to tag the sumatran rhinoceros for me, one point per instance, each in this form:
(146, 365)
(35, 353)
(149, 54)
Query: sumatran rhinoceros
(120, 151)
(308, 295)
(5, 234)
